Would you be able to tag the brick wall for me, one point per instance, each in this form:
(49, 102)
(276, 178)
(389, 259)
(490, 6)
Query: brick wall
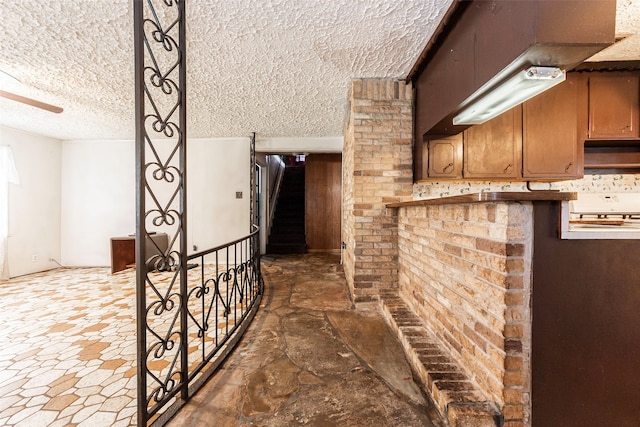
(377, 169)
(348, 220)
(465, 270)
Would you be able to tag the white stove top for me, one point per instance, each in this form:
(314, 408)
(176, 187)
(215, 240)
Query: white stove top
(601, 216)
(609, 205)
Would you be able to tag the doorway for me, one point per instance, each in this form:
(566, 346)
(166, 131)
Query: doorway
(311, 206)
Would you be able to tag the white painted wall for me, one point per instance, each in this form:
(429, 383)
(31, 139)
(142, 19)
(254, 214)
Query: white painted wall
(34, 204)
(270, 168)
(98, 199)
(98, 195)
(217, 169)
(75, 195)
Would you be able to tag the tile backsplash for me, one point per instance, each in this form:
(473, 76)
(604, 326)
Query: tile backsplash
(619, 183)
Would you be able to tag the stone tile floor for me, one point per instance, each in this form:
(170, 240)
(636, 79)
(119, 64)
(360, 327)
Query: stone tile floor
(68, 349)
(311, 358)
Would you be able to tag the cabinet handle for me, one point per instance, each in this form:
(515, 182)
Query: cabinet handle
(449, 166)
(508, 168)
(568, 167)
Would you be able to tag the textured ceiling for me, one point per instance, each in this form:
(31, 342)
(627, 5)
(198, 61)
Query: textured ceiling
(627, 25)
(280, 68)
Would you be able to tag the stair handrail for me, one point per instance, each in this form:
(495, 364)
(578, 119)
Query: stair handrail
(275, 192)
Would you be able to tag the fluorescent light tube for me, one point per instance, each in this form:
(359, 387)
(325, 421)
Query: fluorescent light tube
(522, 86)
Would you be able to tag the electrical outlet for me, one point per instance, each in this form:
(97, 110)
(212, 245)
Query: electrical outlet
(35, 258)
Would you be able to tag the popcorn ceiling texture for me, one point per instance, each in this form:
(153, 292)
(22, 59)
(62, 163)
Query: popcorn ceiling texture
(627, 24)
(281, 68)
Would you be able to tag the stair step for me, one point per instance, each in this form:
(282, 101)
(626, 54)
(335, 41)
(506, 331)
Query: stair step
(286, 248)
(289, 219)
(288, 209)
(288, 229)
(287, 238)
(290, 216)
(295, 201)
(456, 395)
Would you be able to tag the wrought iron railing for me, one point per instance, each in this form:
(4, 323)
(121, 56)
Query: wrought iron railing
(224, 292)
(191, 310)
(224, 289)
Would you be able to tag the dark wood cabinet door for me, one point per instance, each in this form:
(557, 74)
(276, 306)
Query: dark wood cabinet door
(494, 149)
(551, 137)
(614, 110)
(445, 157)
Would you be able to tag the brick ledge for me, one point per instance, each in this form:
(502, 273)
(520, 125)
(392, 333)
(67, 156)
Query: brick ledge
(453, 392)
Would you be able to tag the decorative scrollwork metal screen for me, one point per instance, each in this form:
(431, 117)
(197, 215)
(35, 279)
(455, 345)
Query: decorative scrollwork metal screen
(191, 310)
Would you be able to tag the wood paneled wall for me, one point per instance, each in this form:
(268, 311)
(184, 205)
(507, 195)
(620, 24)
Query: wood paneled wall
(323, 186)
(586, 328)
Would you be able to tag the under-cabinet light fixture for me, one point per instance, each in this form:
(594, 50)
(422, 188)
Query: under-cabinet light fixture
(522, 86)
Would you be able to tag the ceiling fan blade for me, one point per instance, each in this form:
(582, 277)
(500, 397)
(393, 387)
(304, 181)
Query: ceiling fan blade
(31, 102)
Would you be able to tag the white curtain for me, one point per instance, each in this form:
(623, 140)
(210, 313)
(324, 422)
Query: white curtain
(8, 174)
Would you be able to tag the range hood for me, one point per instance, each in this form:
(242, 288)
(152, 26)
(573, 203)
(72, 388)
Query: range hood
(483, 43)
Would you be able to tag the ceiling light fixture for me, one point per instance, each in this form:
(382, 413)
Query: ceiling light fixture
(484, 104)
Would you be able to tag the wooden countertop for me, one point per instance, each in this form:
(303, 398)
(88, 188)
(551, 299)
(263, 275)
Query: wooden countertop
(491, 197)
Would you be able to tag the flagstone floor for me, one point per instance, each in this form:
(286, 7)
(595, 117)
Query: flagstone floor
(68, 354)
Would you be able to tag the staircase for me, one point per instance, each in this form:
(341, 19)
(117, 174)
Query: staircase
(287, 231)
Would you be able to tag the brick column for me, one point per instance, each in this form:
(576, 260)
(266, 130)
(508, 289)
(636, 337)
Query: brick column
(377, 169)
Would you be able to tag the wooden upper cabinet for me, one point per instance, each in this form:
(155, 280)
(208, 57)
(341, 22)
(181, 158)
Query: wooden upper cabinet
(544, 138)
(552, 139)
(494, 149)
(614, 111)
(445, 157)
